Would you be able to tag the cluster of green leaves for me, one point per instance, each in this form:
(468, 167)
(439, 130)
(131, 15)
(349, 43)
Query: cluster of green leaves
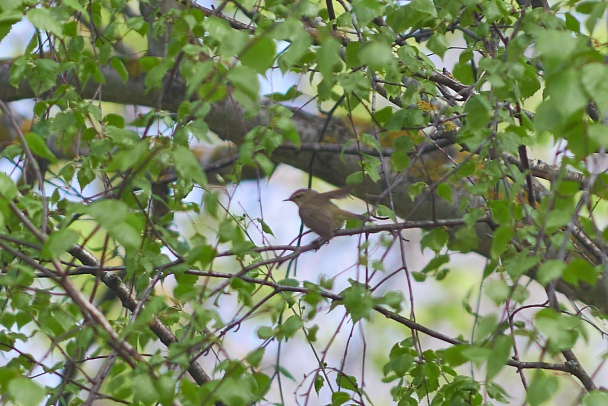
(541, 50)
(419, 376)
(129, 164)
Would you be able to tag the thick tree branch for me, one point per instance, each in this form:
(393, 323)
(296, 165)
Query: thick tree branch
(129, 301)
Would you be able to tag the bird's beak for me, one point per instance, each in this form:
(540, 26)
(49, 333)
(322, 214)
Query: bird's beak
(287, 200)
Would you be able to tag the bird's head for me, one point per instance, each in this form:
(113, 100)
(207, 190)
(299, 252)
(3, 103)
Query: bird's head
(302, 195)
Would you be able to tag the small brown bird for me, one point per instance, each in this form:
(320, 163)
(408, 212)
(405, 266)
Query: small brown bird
(319, 213)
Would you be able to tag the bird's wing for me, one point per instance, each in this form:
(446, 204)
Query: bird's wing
(338, 193)
(344, 215)
(319, 221)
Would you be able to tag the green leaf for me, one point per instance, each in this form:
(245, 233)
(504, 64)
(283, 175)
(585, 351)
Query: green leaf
(555, 46)
(478, 112)
(351, 55)
(235, 44)
(260, 55)
(246, 153)
(165, 387)
(121, 136)
(595, 398)
(477, 354)
(598, 137)
(211, 201)
(120, 68)
(435, 263)
(376, 55)
(502, 239)
(418, 13)
(416, 188)
(355, 178)
(290, 327)
(65, 120)
(8, 189)
(139, 25)
(356, 83)
(10, 17)
(43, 74)
(542, 388)
(144, 390)
(265, 227)
(255, 357)
(465, 240)
(400, 158)
(75, 5)
(290, 94)
(328, 58)
(38, 146)
(115, 120)
(495, 391)
(566, 85)
(358, 302)
(401, 361)
(436, 239)
(265, 163)
(44, 20)
(580, 270)
(319, 382)
(562, 330)
(202, 253)
(384, 211)
(486, 327)
(367, 10)
(595, 12)
(455, 355)
(7, 19)
(25, 392)
(286, 373)
(299, 47)
(550, 271)
(218, 27)
(147, 63)
(438, 43)
(283, 124)
(187, 166)
(498, 290)
(154, 77)
(339, 398)
(520, 263)
(493, 10)
(58, 242)
(85, 176)
(347, 382)
(265, 333)
(463, 71)
(246, 80)
(393, 299)
(501, 353)
(113, 215)
(262, 385)
(572, 23)
(445, 191)
(501, 212)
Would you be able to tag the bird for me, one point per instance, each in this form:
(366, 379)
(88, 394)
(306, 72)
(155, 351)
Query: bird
(319, 214)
